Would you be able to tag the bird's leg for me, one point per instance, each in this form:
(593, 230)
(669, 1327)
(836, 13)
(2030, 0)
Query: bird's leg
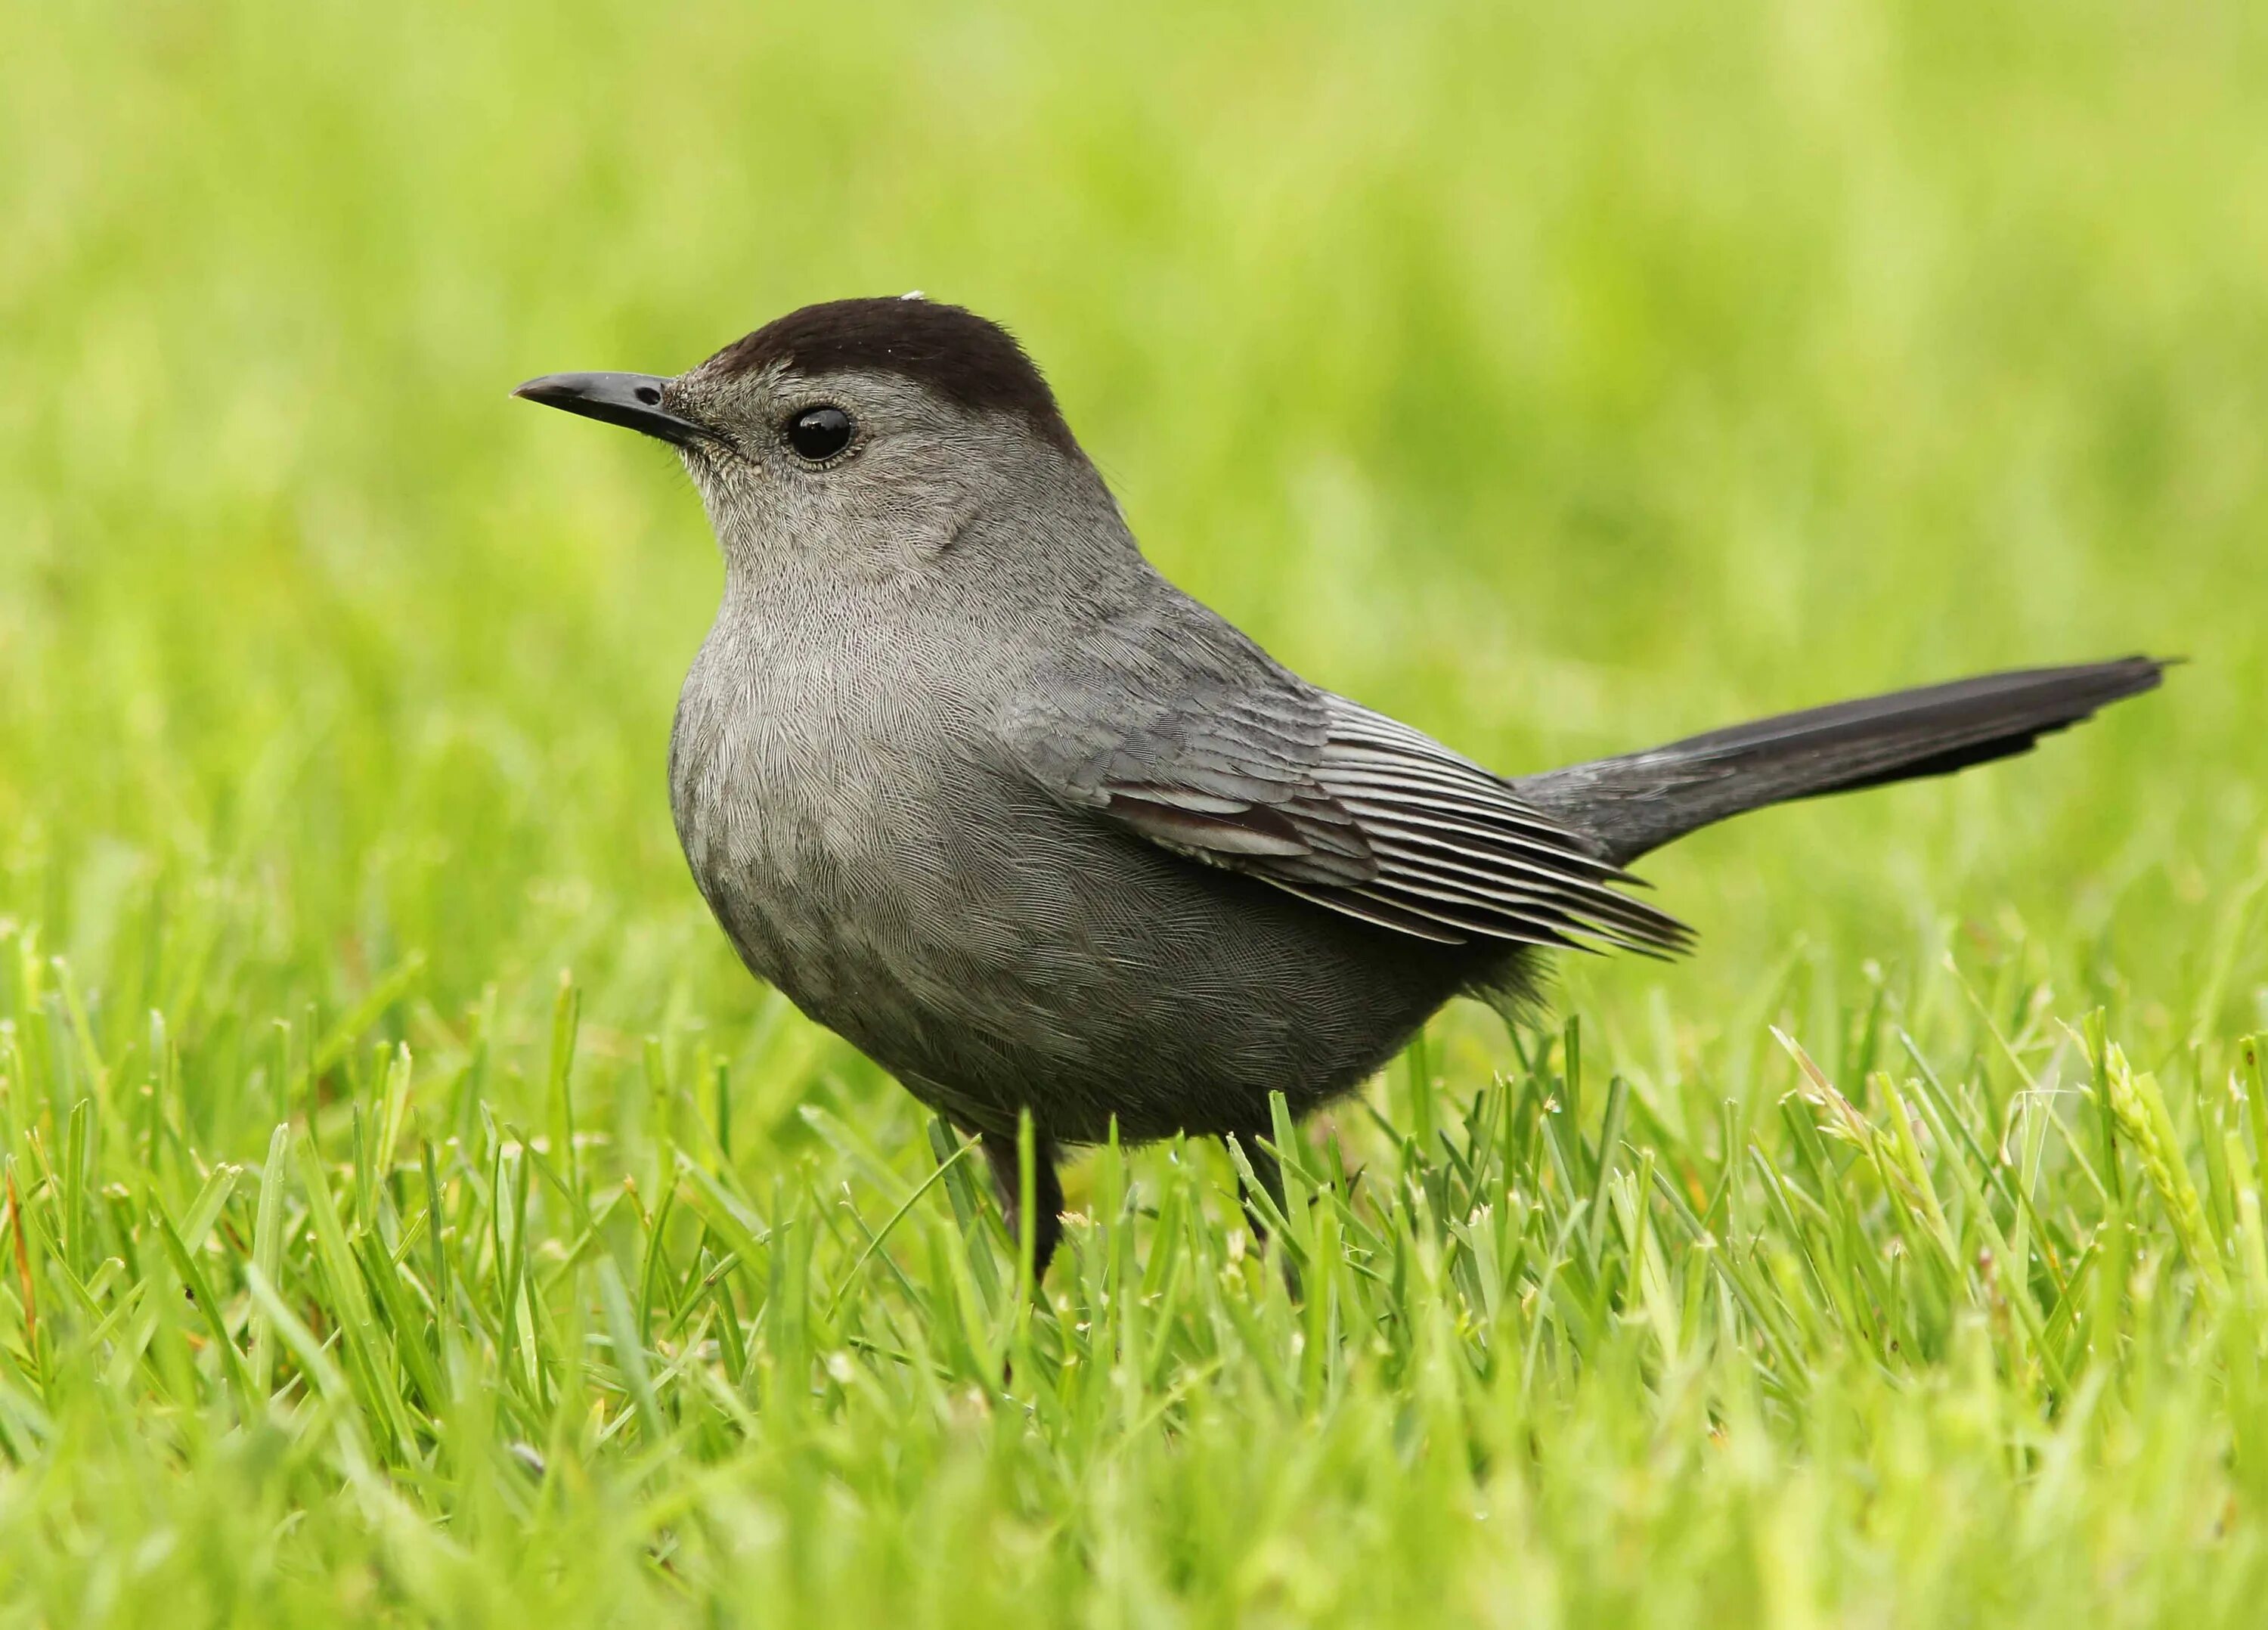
(1269, 1172)
(1047, 1195)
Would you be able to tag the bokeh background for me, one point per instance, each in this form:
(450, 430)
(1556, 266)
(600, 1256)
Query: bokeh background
(1560, 379)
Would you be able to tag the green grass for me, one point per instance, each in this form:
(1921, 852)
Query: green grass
(1560, 379)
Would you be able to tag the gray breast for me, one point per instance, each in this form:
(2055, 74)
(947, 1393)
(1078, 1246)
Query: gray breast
(896, 878)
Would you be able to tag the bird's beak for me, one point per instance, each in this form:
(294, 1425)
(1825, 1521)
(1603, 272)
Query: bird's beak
(628, 399)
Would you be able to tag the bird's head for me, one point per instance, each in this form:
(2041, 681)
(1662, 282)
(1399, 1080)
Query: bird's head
(874, 436)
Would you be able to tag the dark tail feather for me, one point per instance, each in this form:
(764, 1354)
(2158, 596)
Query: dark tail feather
(1643, 801)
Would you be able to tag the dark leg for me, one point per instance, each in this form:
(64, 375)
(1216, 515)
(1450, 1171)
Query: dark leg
(1047, 1190)
(1270, 1170)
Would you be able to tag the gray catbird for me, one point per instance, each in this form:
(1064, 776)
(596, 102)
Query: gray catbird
(961, 773)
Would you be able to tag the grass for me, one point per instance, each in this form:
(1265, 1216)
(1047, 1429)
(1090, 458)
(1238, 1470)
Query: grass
(1558, 379)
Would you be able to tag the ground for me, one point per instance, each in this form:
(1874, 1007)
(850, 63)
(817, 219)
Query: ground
(1559, 379)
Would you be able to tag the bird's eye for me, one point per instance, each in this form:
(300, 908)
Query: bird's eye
(819, 433)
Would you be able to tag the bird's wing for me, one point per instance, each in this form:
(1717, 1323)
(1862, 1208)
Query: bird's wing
(1338, 805)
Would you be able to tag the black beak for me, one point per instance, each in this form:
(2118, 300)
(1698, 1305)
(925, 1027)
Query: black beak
(629, 399)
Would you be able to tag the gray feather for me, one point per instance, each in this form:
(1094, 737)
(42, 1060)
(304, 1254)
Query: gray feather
(1638, 802)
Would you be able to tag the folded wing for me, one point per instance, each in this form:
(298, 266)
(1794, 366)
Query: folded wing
(1341, 807)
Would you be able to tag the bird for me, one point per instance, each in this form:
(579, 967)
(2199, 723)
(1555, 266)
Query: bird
(963, 775)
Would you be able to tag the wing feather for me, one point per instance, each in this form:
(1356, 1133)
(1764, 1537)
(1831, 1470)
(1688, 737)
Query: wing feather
(1343, 808)
(1459, 843)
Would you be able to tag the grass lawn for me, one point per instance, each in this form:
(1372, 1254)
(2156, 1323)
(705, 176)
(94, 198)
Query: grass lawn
(1560, 379)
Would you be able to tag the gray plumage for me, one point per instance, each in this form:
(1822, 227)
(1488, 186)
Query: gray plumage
(961, 774)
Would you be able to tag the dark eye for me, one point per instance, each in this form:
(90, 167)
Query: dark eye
(818, 433)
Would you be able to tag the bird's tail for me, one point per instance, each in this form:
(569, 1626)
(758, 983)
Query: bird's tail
(1642, 801)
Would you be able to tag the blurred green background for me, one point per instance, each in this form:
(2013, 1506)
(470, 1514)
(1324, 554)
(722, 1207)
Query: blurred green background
(1559, 379)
